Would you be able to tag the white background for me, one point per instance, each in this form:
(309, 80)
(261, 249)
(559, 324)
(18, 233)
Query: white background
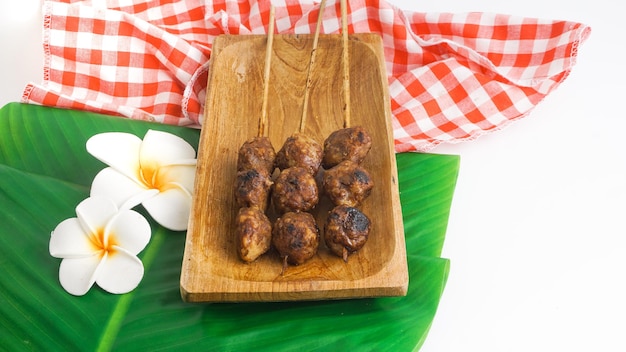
(536, 236)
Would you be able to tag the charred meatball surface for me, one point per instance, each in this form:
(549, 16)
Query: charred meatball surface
(300, 150)
(295, 190)
(253, 234)
(296, 237)
(348, 183)
(346, 144)
(256, 153)
(346, 230)
(252, 189)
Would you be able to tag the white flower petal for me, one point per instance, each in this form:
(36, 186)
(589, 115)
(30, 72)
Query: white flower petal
(121, 272)
(68, 240)
(118, 150)
(131, 231)
(180, 174)
(170, 209)
(185, 162)
(165, 149)
(116, 186)
(78, 275)
(139, 198)
(94, 213)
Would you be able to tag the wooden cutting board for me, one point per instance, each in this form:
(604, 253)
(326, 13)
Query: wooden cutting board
(211, 269)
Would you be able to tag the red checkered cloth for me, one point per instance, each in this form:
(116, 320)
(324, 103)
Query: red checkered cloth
(452, 77)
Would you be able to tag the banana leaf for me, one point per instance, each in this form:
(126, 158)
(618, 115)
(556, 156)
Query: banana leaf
(45, 171)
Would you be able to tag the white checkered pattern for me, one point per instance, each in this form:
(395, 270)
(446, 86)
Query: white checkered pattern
(452, 77)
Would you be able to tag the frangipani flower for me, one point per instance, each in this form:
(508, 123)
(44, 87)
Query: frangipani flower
(157, 172)
(100, 245)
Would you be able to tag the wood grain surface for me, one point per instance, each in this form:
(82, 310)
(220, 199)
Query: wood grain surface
(211, 269)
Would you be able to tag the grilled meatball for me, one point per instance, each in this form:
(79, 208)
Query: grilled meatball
(348, 183)
(300, 150)
(346, 144)
(254, 234)
(296, 237)
(256, 153)
(252, 188)
(295, 190)
(346, 230)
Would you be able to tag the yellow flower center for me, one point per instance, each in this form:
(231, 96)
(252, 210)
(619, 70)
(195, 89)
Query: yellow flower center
(104, 245)
(149, 176)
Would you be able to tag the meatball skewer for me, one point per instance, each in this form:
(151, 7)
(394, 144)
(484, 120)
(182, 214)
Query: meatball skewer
(295, 234)
(345, 181)
(255, 165)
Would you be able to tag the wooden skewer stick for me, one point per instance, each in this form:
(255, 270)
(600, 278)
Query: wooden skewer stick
(309, 80)
(263, 130)
(345, 58)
